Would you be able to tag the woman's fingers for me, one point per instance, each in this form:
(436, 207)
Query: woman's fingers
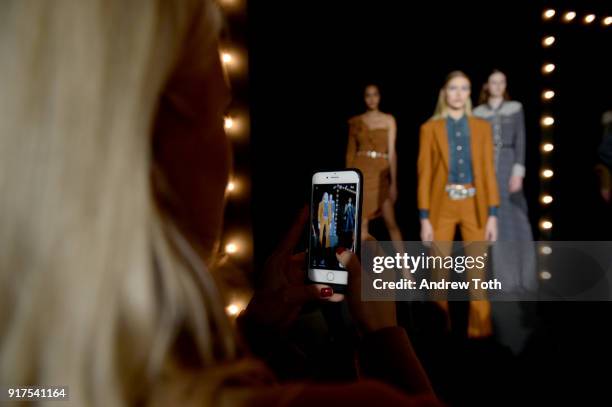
(427, 235)
(296, 275)
(491, 234)
(491, 229)
(295, 233)
(427, 238)
(298, 257)
(371, 316)
(352, 265)
(277, 269)
(299, 295)
(296, 272)
(336, 297)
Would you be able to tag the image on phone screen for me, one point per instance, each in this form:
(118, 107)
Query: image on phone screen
(333, 223)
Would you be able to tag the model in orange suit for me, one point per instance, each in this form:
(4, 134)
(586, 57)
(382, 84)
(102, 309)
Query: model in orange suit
(325, 218)
(457, 187)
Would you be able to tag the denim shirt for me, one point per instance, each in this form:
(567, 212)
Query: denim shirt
(460, 152)
(460, 157)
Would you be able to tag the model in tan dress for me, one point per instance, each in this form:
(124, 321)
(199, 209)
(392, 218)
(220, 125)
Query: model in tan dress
(367, 150)
(371, 149)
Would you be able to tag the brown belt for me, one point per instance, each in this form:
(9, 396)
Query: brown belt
(373, 154)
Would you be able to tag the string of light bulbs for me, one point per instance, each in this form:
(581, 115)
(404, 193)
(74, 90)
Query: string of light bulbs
(547, 120)
(233, 57)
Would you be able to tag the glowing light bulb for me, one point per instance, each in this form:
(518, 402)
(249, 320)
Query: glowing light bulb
(588, 19)
(607, 21)
(569, 16)
(546, 250)
(548, 147)
(548, 121)
(546, 225)
(548, 68)
(548, 14)
(226, 57)
(548, 41)
(231, 6)
(228, 123)
(546, 199)
(231, 186)
(231, 248)
(547, 173)
(232, 309)
(545, 275)
(548, 94)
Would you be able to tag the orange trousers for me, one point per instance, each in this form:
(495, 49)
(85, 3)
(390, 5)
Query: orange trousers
(459, 213)
(324, 231)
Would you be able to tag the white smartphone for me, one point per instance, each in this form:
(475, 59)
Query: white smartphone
(335, 222)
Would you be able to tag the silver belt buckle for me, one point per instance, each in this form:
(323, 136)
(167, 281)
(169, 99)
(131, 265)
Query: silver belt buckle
(458, 192)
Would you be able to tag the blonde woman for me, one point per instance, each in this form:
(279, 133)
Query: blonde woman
(456, 183)
(114, 165)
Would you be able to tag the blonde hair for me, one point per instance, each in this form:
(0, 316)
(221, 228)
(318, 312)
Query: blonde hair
(95, 281)
(441, 110)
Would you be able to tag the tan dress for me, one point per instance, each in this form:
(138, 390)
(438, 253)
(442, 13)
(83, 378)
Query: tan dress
(376, 172)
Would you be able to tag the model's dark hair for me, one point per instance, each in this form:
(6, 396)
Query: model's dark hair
(484, 91)
(368, 84)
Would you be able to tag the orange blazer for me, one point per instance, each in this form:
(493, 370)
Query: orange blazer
(433, 167)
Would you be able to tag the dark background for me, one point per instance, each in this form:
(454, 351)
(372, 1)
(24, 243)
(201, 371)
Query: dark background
(309, 62)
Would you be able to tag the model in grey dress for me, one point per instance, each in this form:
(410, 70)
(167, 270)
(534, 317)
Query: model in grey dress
(515, 264)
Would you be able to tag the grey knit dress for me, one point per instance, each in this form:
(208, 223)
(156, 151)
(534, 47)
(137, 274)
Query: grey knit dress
(515, 263)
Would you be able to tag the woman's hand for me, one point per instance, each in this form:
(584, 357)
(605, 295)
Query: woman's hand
(283, 291)
(370, 315)
(491, 229)
(426, 231)
(515, 184)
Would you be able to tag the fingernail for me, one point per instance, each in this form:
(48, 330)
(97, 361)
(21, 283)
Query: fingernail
(326, 292)
(339, 250)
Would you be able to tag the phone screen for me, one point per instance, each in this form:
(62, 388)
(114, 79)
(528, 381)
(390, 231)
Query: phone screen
(333, 223)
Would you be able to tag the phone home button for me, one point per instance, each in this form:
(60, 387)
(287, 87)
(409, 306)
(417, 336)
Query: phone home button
(330, 276)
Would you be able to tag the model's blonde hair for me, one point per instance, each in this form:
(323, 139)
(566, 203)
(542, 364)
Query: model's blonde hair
(94, 280)
(441, 110)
